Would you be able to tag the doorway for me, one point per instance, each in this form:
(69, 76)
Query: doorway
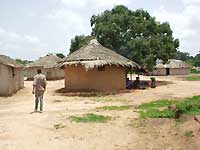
(167, 71)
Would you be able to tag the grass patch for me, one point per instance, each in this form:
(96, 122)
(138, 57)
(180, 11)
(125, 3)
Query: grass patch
(159, 109)
(195, 71)
(189, 134)
(58, 126)
(193, 78)
(90, 118)
(125, 107)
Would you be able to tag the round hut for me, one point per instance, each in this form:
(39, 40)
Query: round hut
(49, 67)
(96, 68)
(11, 76)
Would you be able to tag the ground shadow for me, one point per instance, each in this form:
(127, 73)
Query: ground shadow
(92, 93)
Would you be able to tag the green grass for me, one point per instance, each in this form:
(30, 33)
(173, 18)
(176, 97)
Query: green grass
(195, 71)
(58, 126)
(189, 134)
(125, 107)
(193, 78)
(90, 118)
(159, 109)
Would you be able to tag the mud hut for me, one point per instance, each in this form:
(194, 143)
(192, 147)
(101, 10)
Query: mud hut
(11, 76)
(96, 68)
(172, 67)
(49, 67)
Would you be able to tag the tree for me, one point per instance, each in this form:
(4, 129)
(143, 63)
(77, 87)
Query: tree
(23, 62)
(197, 60)
(60, 55)
(79, 41)
(134, 34)
(183, 56)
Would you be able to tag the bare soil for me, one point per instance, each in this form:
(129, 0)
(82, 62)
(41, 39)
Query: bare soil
(22, 130)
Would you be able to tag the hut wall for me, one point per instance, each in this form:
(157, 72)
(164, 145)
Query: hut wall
(160, 72)
(179, 71)
(112, 78)
(55, 73)
(12, 79)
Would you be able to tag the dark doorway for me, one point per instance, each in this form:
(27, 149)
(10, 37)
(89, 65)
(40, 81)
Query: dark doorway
(167, 71)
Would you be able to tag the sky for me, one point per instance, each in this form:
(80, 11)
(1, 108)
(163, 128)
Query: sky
(30, 29)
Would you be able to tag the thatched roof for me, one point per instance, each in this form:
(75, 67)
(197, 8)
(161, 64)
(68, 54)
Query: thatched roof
(94, 55)
(45, 62)
(9, 61)
(173, 63)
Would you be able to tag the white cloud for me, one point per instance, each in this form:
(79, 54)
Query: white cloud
(13, 44)
(191, 2)
(185, 24)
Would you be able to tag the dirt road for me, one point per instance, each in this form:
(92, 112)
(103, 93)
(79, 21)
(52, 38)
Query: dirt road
(21, 130)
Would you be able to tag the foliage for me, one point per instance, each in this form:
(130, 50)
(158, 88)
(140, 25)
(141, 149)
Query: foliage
(60, 55)
(91, 118)
(197, 60)
(125, 107)
(189, 134)
(193, 78)
(183, 56)
(23, 62)
(79, 41)
(195, 71)
(190, 106)
(133, 34)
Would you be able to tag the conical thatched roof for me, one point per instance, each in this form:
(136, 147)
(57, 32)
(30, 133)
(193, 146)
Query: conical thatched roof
(173, 63)
(94, 54)
(46, 62)
(9, 61)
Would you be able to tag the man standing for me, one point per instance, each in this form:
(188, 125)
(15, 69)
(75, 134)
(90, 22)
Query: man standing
(39, 87)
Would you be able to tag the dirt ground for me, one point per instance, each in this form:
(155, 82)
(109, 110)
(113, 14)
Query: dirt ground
(22, 130)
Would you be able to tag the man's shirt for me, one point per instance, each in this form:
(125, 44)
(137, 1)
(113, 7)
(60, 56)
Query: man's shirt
(40, 84)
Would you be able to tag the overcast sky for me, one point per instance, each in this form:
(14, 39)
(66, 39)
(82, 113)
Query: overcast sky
(32, 28)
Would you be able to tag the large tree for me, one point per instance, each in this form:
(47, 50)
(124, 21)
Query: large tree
(135, 35)
(197, 60)
(79, 41)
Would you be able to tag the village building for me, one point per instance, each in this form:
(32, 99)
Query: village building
(96, 68)
(172, 67)
(49, 67)
(11, 76)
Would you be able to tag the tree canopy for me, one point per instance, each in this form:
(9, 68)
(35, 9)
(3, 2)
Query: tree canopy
(79, 41)
(133, 34)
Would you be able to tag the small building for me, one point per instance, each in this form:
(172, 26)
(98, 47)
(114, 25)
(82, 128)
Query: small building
(11, 76)
(49, 67)
(96, 68)
(172, 67)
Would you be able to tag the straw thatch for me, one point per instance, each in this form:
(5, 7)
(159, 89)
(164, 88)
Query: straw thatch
(5, 60)
(94, 55)
(50, 61)
(173, 63)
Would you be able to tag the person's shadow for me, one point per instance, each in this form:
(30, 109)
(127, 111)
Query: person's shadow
(33, 112)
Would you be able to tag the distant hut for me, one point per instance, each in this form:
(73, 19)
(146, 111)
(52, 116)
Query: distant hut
(49, 67)
(96, 68)
(172, 67)
(11, 76)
